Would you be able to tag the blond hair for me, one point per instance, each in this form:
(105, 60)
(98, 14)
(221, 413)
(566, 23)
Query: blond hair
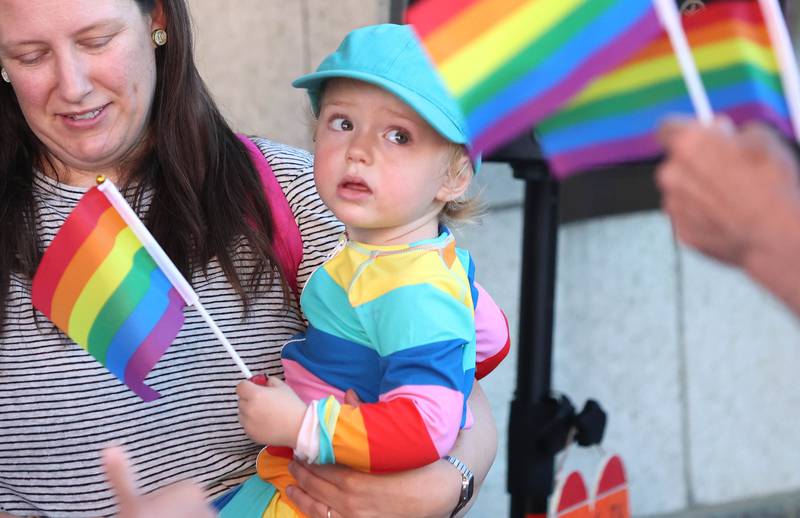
(467, 208)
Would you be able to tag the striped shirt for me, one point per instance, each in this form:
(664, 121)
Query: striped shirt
(59, 407)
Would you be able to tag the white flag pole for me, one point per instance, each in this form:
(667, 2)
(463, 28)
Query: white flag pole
(166, 265)
(787, 61)
(671, 20)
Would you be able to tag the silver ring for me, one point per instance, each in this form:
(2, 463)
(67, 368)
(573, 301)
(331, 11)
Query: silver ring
(329, 512)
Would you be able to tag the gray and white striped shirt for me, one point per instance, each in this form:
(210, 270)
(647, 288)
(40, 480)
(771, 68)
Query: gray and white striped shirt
(59, 407)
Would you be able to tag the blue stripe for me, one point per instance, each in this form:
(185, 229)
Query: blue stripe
(439, 364)
(325, 304)
(556, 68)
(469, 380)
(326, 455)
(139, 324)
(415, 315)
(322, 354)
(645, 121)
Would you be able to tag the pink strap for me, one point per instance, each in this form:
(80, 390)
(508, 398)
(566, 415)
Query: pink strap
(287, 241)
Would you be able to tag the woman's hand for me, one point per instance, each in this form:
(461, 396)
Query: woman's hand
(430, 491)
(270, 414)
(181, 500)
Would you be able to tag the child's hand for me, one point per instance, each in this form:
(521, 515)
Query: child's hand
(270, 415)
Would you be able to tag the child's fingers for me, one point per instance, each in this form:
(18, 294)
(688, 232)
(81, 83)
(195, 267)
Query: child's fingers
(351, 398)
(274, 381)
(120, 477)
(260, 379)
(247, 389)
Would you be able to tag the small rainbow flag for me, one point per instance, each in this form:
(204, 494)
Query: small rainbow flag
(100, 285)
(615, 118)
(511, 63)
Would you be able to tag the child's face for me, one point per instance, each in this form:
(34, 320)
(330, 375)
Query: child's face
(378, 165)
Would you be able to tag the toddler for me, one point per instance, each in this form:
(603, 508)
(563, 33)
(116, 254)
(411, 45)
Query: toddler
(391, 312)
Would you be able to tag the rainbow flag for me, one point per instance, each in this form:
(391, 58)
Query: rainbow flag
(100, 285)
(511, 63)
(614, 119)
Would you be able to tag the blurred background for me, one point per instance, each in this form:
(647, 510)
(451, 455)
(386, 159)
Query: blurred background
(696, 367)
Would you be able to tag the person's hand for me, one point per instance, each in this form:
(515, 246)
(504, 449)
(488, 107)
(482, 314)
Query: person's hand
(353, 494)
(270, 414)
(729, 194)
(181, 500)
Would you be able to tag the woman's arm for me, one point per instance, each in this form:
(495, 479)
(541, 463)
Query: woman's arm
(430, 491)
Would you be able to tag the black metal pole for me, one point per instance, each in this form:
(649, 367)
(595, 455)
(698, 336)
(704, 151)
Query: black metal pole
(530, 466)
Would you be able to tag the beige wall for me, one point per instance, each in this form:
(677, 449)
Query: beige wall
(249, 51)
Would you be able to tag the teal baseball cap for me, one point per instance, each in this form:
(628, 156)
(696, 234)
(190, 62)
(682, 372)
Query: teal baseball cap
(390, 56)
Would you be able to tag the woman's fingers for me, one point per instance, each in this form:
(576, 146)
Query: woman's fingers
(120, 477)
(308, 505)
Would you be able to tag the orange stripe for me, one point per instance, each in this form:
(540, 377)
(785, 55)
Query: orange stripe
(466, 26)
(83, 265)
(350, 444)
(707, 35)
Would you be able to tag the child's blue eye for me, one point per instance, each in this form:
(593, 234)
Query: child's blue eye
(397, 136)
(341, 124)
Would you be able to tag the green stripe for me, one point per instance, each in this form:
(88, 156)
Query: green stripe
(539, 50)
(642, 98)
(121, 304)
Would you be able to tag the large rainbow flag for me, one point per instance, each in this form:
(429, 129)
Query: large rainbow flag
(511, 63)
(615, 118)
(101, 286)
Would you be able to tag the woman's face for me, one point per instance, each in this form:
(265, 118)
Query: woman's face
(84, 74)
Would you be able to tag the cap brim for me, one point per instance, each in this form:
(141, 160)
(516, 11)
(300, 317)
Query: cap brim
(426, 109)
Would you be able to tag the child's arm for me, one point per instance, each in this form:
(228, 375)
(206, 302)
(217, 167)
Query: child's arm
(430, 491)
(424, 341)
(491, 333)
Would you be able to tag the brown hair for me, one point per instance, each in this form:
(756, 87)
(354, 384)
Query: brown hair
(202, 178)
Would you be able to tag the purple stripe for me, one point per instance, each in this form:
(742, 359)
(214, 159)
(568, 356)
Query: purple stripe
(613, 54)
(643, 146)
(646, 146)
(153, 347)
(759, 111)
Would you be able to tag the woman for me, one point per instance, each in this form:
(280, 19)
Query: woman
(110, 87)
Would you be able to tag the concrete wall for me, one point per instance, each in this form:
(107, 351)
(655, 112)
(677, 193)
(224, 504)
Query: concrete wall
(695, 365)
(249, 51)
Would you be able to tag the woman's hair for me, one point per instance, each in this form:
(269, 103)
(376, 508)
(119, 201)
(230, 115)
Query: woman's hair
(203, 181)
(467, 208)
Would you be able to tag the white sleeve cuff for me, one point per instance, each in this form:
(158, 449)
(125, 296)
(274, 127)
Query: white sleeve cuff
(308, 438)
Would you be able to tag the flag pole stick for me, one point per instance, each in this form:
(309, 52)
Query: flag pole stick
(671, 20)
(225, 343)
(787, 62)
(166, 265)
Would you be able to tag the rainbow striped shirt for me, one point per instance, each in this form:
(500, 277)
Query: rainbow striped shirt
(396, 324)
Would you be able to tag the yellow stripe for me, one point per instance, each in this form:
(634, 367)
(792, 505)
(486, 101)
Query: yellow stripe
(389, 273)
(102, 285)
(342, 266)
(708, 57)
(494, 47)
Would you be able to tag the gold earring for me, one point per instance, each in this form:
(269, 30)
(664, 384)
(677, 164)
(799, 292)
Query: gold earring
(5, 75)
(159, 37)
